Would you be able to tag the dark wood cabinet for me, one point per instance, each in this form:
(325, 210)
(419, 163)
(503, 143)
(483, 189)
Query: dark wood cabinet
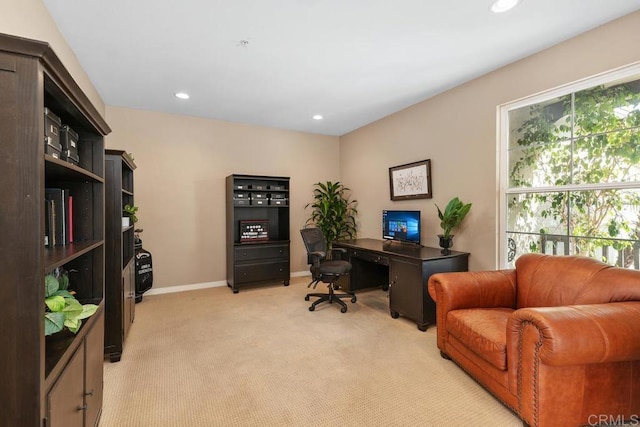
(75, 400)
(40, 373)
(119, 259)
(257, 230)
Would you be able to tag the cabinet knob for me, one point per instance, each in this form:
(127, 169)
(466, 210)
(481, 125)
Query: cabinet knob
(82, 408)
(89, 393)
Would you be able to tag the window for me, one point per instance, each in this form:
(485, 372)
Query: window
(570, 171)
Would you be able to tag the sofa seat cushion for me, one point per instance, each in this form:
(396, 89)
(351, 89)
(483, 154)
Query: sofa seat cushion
(483, 331)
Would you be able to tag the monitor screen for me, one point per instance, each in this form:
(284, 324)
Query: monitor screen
(401, 225)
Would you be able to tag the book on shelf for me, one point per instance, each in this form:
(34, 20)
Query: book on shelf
(60, 217)
(49, 228)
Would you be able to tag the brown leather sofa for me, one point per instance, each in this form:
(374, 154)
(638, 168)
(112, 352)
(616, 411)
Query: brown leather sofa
(557, 339)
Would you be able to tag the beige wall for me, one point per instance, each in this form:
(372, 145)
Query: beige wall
(457, 131)
(182, 161)
(179, 184)
(31, 19)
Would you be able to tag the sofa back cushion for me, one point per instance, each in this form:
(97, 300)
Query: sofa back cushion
(548, 281)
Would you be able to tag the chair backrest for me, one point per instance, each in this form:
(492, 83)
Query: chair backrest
(548, 280)
(314, 239)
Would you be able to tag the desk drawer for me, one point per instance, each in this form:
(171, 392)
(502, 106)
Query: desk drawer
(369, 256)
(260, 252)
(246, 273)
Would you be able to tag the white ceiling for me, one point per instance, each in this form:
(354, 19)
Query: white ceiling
(353, 61)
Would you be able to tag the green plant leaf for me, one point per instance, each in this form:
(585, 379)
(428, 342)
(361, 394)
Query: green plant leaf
(51, 285)
(63, 293)
(88, 310)
(53, 322)
(55, 303)
(73, 308)
(73, 324)
(63, 280)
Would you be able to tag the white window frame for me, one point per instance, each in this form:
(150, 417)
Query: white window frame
(502, 126)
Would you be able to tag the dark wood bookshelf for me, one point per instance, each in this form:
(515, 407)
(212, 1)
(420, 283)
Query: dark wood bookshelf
(47, 378)
(119, 260)
(261, 200)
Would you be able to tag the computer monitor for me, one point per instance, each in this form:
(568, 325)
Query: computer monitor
(401, 225)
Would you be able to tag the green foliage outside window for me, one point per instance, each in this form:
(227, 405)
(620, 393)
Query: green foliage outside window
(569, 147)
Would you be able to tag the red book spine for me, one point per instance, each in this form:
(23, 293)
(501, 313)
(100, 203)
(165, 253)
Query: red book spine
(70, 218)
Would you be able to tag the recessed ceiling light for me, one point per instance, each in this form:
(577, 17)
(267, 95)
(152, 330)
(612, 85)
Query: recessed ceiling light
(500, 6)
(318, 117)
(181, 95)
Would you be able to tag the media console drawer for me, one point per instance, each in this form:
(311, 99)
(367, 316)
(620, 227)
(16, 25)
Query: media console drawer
(260, 252)
(278, 270)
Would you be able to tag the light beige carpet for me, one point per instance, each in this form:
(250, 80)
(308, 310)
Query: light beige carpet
(261, 358)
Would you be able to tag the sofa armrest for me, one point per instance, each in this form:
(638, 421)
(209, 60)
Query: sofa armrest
(580, 334)
(475, 289)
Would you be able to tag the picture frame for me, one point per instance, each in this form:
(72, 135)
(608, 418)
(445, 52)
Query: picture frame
(411, 181)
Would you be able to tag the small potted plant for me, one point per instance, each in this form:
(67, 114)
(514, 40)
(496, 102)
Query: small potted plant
(129, 215)
(450, 219)
(62, 309)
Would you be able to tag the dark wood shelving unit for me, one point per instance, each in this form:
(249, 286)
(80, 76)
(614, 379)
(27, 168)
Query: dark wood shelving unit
(55, 380)
(257, 230)
(120, 264)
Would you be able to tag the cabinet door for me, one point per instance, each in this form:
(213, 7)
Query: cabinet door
(93, 381)
(65, 401)
(128, 298)
(404, 293)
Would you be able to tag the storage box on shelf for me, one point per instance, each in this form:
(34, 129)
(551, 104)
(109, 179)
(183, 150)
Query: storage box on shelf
(57, 380)
(257, 230)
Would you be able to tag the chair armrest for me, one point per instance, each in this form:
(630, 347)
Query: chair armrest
(486, 289)
(318, 254)
(580, 334)
(338, 250)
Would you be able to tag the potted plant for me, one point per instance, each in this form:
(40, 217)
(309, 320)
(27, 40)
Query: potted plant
(62, 309)
(129, 215)
(450, 219)
(333, 212)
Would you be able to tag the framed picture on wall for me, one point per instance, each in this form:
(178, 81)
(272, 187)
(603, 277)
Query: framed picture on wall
(411, 181)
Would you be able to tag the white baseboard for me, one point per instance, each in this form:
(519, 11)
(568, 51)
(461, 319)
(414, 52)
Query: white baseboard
(193, 287)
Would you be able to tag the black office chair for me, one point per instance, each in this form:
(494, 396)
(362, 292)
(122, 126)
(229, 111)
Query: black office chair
(323, 270)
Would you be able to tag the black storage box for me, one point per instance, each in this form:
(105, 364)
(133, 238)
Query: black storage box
(52, 151)
(276, 187)
(278, 196)
(278, 202)
(258, 187)
(242, 196)
(259, 201)
(259, 196)
(69, 142)
(52, 133)
(241, 202)
(71, 156)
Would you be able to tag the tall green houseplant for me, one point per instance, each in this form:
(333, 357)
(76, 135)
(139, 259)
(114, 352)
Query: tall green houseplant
(333, 211)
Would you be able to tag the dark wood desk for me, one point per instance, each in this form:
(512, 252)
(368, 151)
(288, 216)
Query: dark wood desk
(402, 268)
